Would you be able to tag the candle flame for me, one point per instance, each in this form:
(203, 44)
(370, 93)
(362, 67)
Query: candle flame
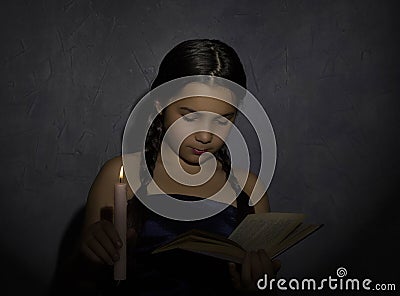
(121, 174)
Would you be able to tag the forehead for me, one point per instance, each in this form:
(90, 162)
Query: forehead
(205, 97)
(204, 104)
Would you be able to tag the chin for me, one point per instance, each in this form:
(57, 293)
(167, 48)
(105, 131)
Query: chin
(190, 159)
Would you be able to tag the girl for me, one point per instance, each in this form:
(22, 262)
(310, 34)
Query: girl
(180, 272)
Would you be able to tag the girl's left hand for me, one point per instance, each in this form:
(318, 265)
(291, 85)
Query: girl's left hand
(255, 265)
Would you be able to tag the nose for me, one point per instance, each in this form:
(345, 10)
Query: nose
(204, 137)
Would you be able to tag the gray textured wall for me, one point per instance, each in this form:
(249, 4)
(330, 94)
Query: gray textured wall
(325, 71)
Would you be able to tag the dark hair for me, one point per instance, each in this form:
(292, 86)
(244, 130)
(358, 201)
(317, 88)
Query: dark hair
(201, 57)
(190, 57)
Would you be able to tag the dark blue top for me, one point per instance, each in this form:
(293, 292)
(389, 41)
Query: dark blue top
(179, 272)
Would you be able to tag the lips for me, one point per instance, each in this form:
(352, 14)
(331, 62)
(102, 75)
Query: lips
(198, 151)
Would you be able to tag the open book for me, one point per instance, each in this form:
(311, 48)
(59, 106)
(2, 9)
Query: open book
(273, 232)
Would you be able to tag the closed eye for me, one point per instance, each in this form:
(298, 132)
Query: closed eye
(223, 121)
(187, 117)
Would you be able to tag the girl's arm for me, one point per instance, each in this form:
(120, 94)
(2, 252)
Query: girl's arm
(91, 257)
(254, 192)
(256, 263)
(101, 194)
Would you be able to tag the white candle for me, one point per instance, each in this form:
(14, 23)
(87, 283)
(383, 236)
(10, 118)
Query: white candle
(120, 205)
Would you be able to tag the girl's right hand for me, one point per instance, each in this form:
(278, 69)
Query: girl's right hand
(101, 243)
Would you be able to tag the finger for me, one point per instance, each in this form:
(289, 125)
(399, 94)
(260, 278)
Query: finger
(256, 266)
(235, 276)
(232, 271)
(95, 246)
(264, 260)
(268, 264)
(90, 255)
(103, 236)
(112, 233)
(108, 246)
(246, 270)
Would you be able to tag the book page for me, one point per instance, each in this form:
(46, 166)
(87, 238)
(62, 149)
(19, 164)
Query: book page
(197, 238)
(265, 230)
(293, 238)
(206, 246)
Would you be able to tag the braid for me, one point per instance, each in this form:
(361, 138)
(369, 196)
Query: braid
(242, 204)
(223, 156)
(152, 145)
(136, 210)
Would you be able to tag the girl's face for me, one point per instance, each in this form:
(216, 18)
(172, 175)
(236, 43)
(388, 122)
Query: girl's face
(198, 128)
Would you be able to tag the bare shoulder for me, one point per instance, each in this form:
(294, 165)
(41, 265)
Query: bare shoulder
(255, 189)
(112, 166)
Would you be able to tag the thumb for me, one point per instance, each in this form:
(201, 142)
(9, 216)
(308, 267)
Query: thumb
(234, 274)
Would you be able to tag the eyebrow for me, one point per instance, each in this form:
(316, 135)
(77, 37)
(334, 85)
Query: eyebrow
(191, 110)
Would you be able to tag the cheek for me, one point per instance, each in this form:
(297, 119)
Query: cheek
(218, 142)
(177, 133)
(222, 133)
